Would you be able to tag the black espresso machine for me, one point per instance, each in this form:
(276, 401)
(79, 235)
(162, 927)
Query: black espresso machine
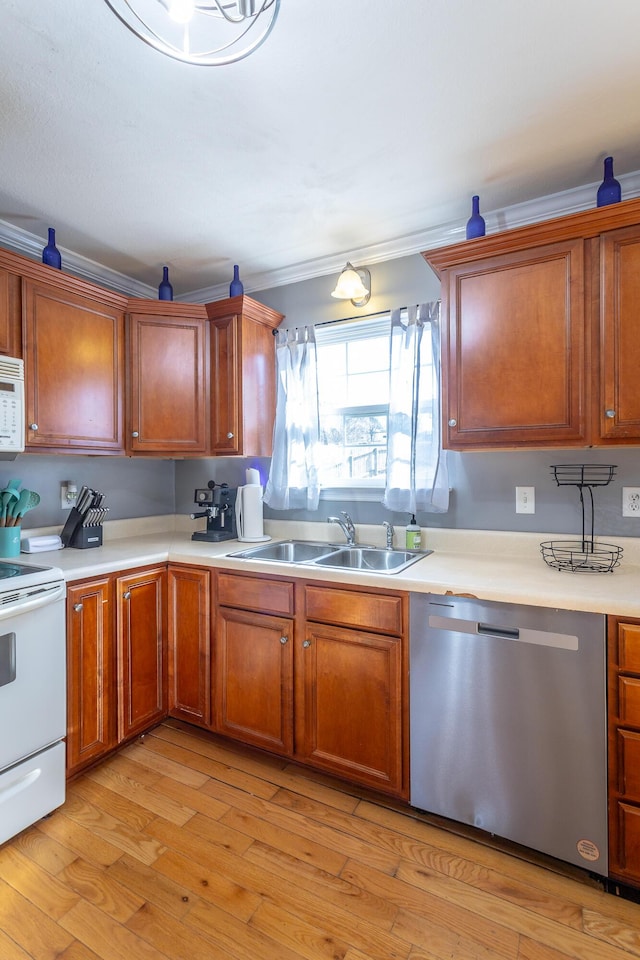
(219, 502)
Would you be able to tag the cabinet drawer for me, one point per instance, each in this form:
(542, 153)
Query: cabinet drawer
(370, 611)
(255, 593)
(629, 764)
(629, 647)
(629, 700)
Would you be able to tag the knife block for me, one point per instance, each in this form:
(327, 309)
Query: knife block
(85, 537)
(75, 535)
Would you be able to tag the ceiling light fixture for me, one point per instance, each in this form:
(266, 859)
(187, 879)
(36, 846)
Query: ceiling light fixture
(354, 283)
(209, 34)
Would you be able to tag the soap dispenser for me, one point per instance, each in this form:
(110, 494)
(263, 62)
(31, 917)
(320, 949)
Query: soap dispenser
(413, 541)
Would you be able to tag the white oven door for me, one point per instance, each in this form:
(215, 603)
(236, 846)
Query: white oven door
(32, 672)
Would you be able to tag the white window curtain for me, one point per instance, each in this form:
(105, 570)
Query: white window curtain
(417, 476)
(293, 476)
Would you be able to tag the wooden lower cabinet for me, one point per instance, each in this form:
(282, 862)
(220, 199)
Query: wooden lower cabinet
(189, 650)
(142, 641)
(91, 673)
(332, 695)
(254, 679)
(624, 750)
(116, 662)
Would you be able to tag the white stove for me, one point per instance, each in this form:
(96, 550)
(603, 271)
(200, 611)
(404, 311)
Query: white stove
(32, 694)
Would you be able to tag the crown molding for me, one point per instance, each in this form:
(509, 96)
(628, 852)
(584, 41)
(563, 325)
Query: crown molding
(518, 215)
(30, 245)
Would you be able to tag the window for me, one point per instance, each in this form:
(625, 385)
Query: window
(353, 388)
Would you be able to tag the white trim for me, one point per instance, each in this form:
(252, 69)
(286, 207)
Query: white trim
(354, 494)
(507, 218)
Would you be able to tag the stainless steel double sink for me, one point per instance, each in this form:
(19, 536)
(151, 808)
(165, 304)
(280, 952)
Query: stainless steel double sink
(344, 557)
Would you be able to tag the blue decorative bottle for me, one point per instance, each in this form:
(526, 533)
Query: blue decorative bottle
(609, 190)
(51, 254)
(165, 290)
(236, 289)
(475, 223)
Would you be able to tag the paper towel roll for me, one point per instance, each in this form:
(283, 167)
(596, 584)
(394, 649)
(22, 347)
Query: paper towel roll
(252, 475)
(249, 512)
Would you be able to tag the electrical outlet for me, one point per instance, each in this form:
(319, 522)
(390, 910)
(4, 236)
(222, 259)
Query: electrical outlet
(631, 501)
(68, 494)
(525, 499)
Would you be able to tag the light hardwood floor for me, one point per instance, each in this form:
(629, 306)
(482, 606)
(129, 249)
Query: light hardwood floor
(181, 847)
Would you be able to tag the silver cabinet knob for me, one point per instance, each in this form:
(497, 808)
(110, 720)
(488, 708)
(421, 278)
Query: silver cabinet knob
(283, 640)
(453, 422)
(135, 434)
(229, 436)
(610, 414)
(127, 595)
(77, 607)
(306, 643)
(33, 426)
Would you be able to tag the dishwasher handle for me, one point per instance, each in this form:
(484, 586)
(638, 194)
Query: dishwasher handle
(488, 629)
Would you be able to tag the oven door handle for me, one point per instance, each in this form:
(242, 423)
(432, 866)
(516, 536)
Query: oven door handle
(39, 598)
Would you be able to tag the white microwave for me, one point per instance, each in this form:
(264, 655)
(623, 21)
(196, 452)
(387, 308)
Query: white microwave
(11, 407)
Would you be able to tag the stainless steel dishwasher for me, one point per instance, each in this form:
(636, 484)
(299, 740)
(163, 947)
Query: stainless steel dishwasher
(508, 723)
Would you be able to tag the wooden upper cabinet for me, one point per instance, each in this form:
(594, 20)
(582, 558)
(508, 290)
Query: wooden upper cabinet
(619, 410)
(539, 345)
(10, 314)
(168, 378)
(73, 335)
(513, 348)
(243, 376)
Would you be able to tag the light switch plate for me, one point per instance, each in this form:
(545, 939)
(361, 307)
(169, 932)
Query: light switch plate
(525, 499)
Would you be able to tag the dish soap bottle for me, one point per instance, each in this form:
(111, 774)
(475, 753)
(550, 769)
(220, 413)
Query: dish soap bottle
(413, 535)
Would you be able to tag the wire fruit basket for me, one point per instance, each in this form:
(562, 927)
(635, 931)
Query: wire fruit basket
(585, 555)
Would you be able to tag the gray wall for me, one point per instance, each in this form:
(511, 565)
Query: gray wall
(134, 488)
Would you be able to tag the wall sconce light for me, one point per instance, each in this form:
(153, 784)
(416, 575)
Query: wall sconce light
(354, 283)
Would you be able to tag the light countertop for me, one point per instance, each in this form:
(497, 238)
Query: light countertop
(487, 564)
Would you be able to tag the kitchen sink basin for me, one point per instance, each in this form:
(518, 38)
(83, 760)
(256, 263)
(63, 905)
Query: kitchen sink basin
(371, 559)
(288, 551)
(338, 556)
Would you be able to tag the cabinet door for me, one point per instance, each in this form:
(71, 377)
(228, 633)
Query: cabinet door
(141, 621)
(91, 688)
(352, 697)
(620, 350)
(253, 666)
(226, 400)
(243, 376)
(189, 603)
(514, 349)
(168, 392)
(10, 316)
(73, 349)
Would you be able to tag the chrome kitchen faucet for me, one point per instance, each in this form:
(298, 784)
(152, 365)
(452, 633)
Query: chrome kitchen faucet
(347, 527)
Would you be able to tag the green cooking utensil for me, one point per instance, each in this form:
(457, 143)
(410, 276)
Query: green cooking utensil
(27, 500)
(6, 497)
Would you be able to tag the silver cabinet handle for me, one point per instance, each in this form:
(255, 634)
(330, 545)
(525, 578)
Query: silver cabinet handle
(610, 414)
(33, 426)
(127, 595)
(135, 434)
(77, 607)
(229, 436)
(306, 643)
(453, 422)
(283, 640)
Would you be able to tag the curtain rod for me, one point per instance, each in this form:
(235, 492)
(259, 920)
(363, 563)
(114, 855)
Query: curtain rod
(329, 323)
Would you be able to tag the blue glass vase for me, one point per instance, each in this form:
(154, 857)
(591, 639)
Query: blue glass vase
(236, 288)
(475, 223)
(609, 190)
(51, 254)
(165, 290)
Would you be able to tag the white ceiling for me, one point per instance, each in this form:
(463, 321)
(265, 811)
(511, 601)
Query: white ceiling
(357, 122)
